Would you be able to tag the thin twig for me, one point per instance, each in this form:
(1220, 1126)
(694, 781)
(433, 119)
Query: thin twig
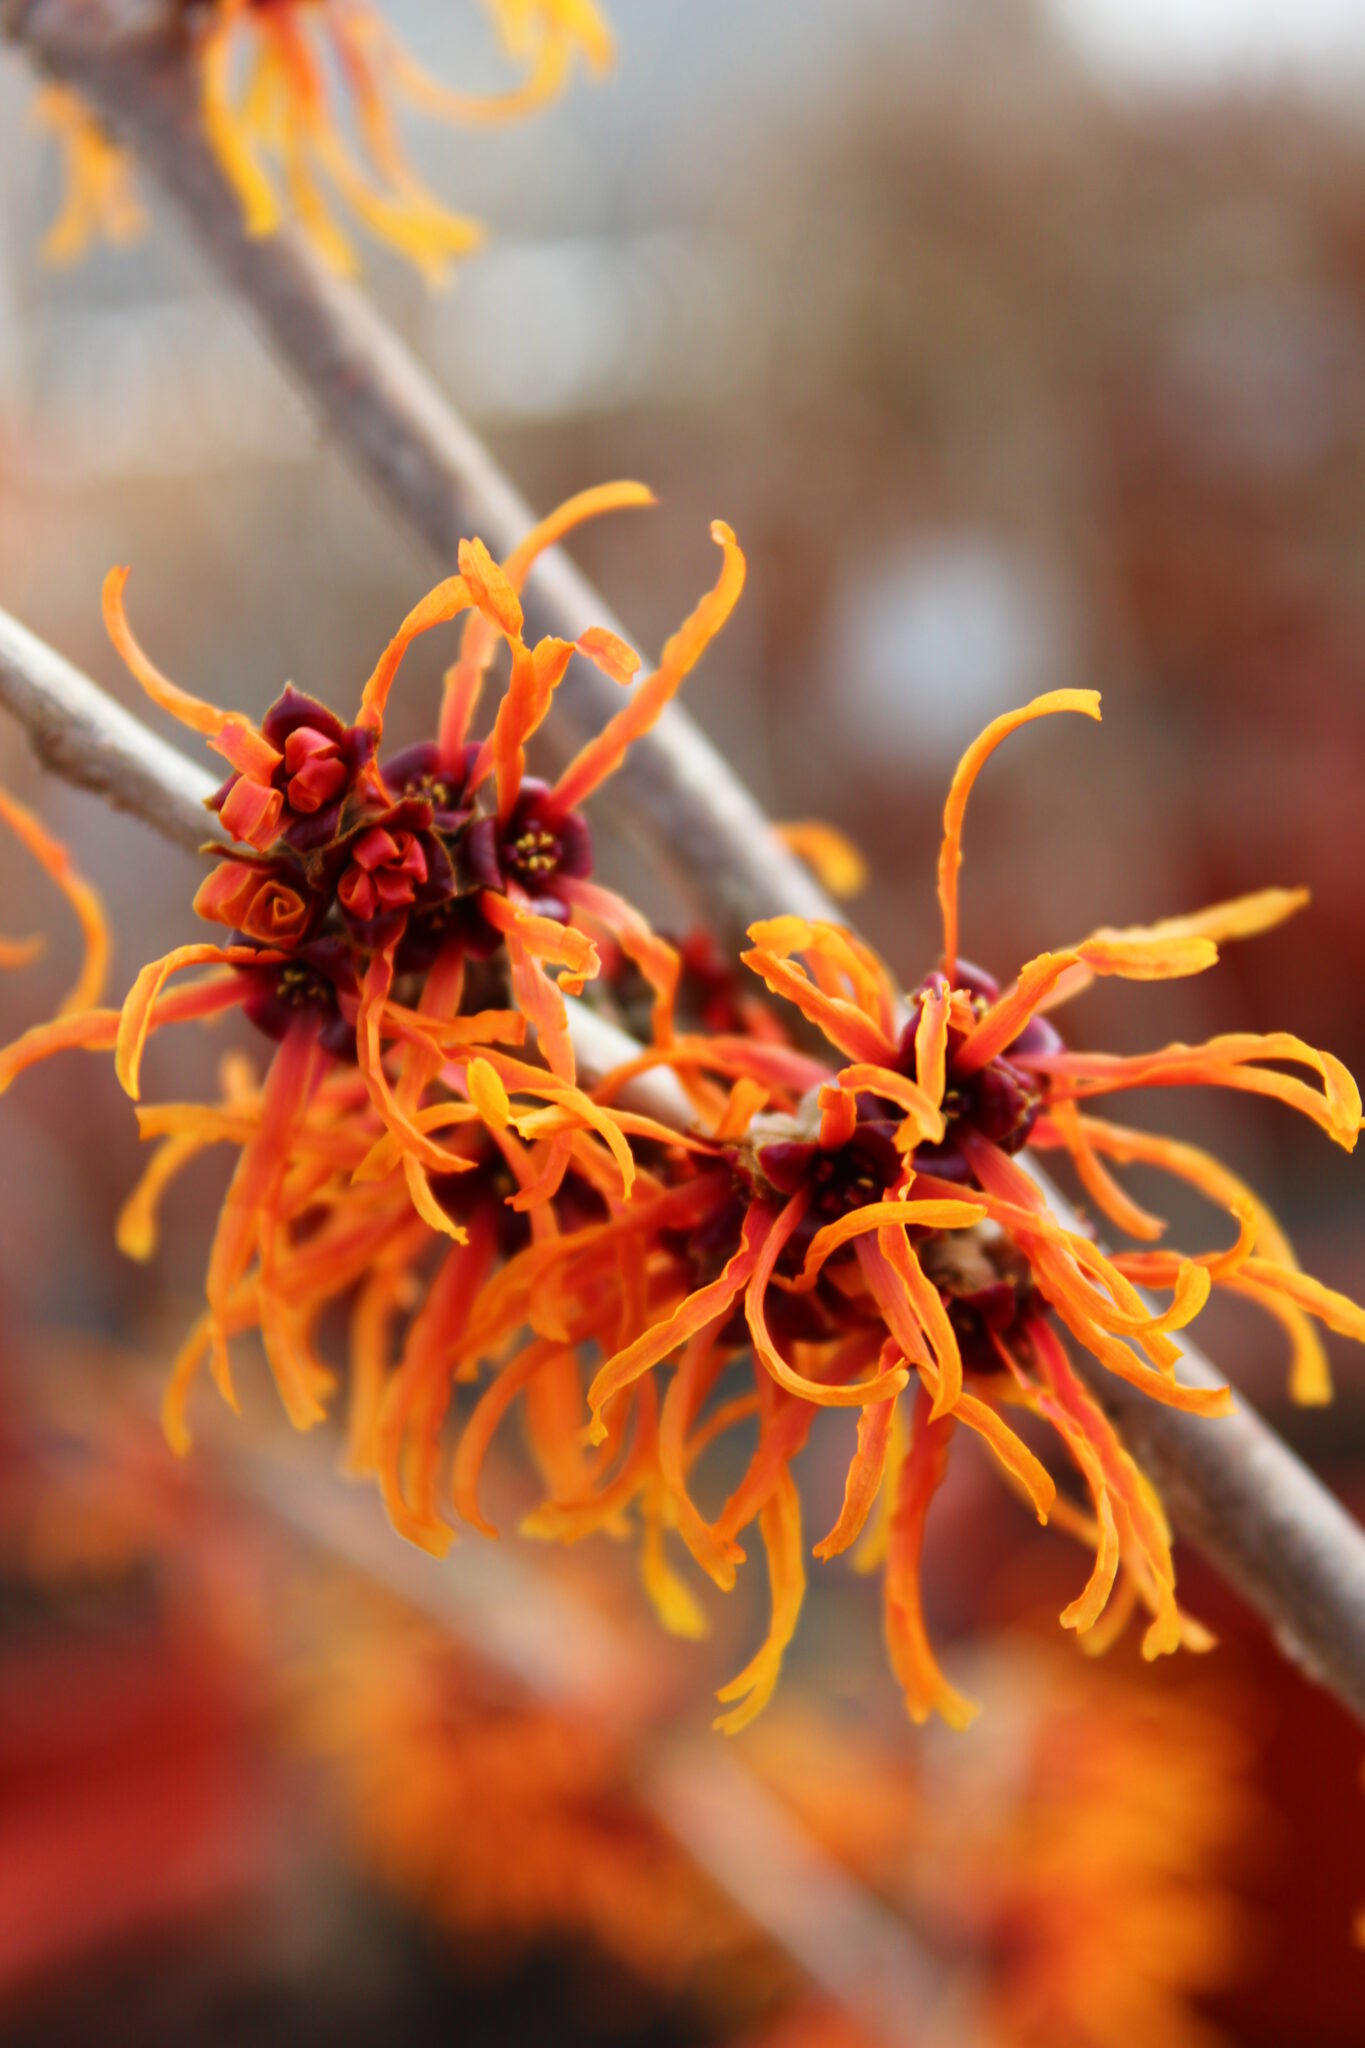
(131, 62)
(1234, 1489)
(81, 734)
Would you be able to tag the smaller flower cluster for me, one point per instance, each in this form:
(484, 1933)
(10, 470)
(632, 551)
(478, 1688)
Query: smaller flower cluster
(281, 116)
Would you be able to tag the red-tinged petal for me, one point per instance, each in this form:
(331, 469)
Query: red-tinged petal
(656, 959)
(1229, 1061)
(536, 674)
(1337, 1311)
(785, 1427)
(923, 1118)
(248, 1207)
(184, 1372)
(1010, 1451)
(1086, 702)
(671, 1597)
(139, 1015)
(552, 1418)
(417, 1396)
(839, 963)
(693, 1314)
(863, 1479)
(252, 812)
(136, 1229)
(1082, 1613)
(604, 754)
(838, 1118)
(769, 1235)
(479, 1431)
(1241, 918)
(371, 1348)
(780, 1526)
(487, 1094)
(490, 588)
(1134, 956)
(855, 1035)
(927, 1215)
(698, 1369)
(224, 130)
(926, 1689)
(437, 608)
(931, 1041)
(1064, 1126)
(1310, 1371)
(246, 749)
(1136, 1508)
(195, 712)
(1006, 1018)
(927, 1306)
(609, 652)
(584, 505)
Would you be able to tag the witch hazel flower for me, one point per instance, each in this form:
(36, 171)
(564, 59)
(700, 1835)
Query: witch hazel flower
(400, 929)
(861, 1230)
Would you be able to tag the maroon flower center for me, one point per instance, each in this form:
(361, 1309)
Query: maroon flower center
(535, 851)
(314, 767)
(385, 872)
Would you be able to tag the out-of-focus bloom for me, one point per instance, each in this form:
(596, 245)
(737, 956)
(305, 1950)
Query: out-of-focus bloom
(506, 1822)
(53, 859)
(833, 856)
(100, 202)
(395, 926)
(1079, 1861)
(1077, 1864)
(285, 85)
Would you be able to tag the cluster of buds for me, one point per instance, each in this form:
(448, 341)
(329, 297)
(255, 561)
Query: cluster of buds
(845, 1218)
(265, 71)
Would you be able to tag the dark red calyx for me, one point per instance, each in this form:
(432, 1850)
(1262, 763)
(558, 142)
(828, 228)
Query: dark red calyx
(314, 980)
(391, 865)
(536, 847)
(419, 773)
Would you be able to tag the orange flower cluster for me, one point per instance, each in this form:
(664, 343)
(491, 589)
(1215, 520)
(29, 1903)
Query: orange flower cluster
(267, 69)
(847, 1222)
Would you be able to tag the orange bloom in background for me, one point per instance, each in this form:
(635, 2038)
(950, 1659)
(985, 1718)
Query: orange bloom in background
(1076, 1866)
(285, 86)
(1080, 1873)
(506, 1822)
(84, 900)
(1080, 1860)
(101, 202)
